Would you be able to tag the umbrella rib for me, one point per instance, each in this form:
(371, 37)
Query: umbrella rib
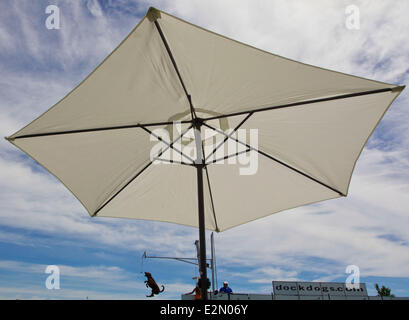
(210, 192)
(229, 156)
(119, 191)
(173, 161)
(204, 119)
(231, 133)
(192, 110)
(142, 170)
(138, 125)
(211, 199)
(280, 162)
(168, 144)
(300, 103)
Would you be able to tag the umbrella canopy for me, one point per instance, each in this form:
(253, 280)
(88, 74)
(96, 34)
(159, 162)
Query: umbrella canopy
(312, 126)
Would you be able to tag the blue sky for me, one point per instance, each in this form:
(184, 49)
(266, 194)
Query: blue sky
(42, 224)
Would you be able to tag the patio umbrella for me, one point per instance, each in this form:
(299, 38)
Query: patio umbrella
(169, 74)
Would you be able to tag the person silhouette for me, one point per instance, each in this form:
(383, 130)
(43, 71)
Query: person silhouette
(197, 291)
(225, 288)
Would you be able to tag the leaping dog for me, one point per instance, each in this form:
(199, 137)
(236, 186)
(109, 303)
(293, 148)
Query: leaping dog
(151, 283)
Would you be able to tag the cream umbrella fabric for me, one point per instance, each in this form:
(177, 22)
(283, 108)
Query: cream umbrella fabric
(98, 140)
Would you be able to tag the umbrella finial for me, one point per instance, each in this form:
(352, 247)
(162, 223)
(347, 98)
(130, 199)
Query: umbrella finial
(153, 14)
(398, 88)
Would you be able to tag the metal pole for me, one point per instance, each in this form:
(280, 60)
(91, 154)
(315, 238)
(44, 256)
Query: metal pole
(202, 234)
(212, 260)
(198, 252)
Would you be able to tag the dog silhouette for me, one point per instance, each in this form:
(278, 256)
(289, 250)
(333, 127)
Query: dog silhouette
(151, 283)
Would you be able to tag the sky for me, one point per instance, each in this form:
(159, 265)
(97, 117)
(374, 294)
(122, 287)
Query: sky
(42, 224)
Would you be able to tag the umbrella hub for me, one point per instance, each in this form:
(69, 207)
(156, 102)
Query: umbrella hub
(181, 122)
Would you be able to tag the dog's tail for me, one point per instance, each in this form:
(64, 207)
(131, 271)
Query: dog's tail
(163, 288)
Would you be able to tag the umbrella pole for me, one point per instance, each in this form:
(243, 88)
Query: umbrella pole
(197, 123)
(202, 233)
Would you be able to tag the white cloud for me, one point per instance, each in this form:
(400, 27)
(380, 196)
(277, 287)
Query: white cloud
(94, 7)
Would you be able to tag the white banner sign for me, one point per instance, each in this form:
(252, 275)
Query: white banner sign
(292, 288)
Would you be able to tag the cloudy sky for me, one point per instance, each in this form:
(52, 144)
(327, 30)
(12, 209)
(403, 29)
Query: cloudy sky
(41, 223)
